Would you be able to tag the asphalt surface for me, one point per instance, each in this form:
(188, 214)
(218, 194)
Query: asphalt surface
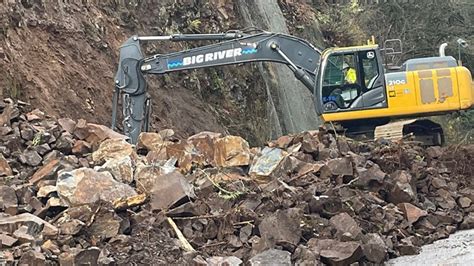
(458, 249)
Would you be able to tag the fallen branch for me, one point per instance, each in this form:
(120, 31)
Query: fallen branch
(184, 241)
(213, 245)
(199, 217)
(346, 185)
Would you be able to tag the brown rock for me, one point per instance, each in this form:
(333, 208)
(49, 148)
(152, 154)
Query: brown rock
(305, 256)
(99, 133)
(438, 183)
(5, 169)
(44, 191)
(67, 124)
(81, 131)
(271, 257)
(370, 176)
(85, 186)
(346, 226)
(106, 225)
(407, 247)
(113, 149)
(464, 202)
(168, 189)
(23, 235)
(121, 169)
(334, 252)
(402, 189)
(81, 147)
(83, 213)
(8, 198)
(434, 152)
(310, 144)
(51, 246)
(374, 248)
(76, 256)
(152, 141)
(425, 226)
(186, 155)
(156, 157)
(411, 212)
(6, 240)
(341, 166)
(231, 151)
(204, 143)
(282, 227)
(7, 114)
(35, 115)
(46, 172)
(32, 258)
(283, 142)
(468, 222)
(4, 130)
(146, 175)
(72, 227)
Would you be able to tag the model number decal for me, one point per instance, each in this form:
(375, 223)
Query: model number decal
(393, 79)
(394, 82)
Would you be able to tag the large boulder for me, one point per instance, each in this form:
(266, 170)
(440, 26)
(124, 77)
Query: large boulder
(86, 186)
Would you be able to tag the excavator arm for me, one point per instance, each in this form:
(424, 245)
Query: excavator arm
(302, 58)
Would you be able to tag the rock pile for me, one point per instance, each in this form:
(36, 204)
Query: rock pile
(77, 193)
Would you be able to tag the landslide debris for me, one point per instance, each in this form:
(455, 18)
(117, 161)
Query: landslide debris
(73, 192)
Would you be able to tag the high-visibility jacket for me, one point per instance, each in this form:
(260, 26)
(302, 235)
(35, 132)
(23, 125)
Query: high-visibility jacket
(351, 76)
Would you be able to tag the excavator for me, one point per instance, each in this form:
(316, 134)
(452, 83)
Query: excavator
(379, 101)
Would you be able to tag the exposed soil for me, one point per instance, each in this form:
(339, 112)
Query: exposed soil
(63, 56)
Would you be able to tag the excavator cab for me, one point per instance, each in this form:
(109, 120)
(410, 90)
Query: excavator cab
(352, 79)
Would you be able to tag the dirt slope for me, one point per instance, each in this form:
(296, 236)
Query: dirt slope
(62, 56)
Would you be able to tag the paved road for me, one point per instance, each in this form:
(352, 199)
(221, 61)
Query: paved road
(458, 249)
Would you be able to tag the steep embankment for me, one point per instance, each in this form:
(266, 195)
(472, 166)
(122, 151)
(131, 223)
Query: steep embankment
(62, 56)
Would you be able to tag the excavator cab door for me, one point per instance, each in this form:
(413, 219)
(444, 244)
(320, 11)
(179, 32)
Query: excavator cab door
(352, 80)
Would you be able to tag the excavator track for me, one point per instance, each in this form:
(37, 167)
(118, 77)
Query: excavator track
(425, 131)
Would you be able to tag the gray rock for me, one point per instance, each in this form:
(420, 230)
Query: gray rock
(64, 143)
(8, 197)
(282, 227)
(271, 257)
(30, 157)
(374, 248)
(402, 187)
(221, 261)
(346, 226)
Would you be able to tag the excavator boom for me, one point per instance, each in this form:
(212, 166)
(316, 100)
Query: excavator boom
(300, 56)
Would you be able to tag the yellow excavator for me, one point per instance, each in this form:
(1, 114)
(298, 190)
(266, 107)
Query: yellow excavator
(352, 86)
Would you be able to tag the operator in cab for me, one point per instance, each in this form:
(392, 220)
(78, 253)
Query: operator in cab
(350, 75)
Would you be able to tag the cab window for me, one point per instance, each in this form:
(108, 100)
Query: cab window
(370, 66)
(340, 81)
